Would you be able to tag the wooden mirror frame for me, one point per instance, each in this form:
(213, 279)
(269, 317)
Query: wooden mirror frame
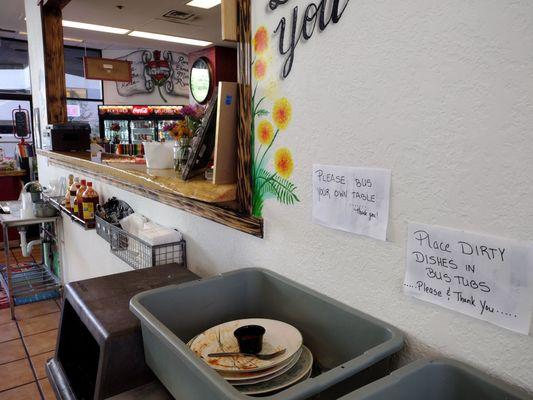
(211, 80)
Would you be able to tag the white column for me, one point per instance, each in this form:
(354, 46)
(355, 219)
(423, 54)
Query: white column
(36, 57)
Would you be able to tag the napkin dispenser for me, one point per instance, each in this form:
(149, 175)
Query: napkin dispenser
(72, 136)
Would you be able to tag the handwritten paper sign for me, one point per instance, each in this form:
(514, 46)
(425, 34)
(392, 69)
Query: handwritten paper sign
(352, 199)
(482, 276)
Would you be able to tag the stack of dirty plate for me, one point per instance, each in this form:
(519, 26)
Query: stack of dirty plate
(248, 374)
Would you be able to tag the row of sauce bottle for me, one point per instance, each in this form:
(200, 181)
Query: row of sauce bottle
(81, 200)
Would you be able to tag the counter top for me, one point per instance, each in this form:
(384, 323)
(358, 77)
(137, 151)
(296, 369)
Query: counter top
(163, 179)
(105, 299)
(12, 173)
(15, 219)
(196, 196)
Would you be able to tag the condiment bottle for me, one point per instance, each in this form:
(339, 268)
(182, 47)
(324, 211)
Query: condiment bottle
(79, 194)
(89, 203)
(72, 190)
(68, 206)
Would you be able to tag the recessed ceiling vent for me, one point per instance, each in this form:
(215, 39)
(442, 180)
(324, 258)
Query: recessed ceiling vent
(7, 30)
(178, 17)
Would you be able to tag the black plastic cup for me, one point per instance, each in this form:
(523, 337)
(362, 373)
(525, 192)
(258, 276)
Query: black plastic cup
(250, 338)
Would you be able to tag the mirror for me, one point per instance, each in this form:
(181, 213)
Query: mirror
(201, 80)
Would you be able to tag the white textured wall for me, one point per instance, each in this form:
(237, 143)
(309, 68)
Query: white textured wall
(36, 58)
(441, 93)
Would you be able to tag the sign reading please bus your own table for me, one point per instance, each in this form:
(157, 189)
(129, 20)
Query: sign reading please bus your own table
(482, 276)
(352, 199)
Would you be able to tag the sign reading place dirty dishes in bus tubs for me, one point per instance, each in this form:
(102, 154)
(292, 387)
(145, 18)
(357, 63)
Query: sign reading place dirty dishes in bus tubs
(482, 276)
(352, 199)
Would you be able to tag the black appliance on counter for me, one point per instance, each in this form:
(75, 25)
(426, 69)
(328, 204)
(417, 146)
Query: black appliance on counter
(71, 136)
(99, 351)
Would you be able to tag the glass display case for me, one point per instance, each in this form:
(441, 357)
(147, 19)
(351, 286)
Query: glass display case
(129, 126)
(116, 131)
(142, 131)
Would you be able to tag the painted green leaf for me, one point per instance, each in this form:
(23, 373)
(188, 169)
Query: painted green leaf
(271, 183)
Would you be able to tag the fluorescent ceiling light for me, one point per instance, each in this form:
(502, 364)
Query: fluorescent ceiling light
(93, 27)
(203, 3)
(68, 39)
(168, 38)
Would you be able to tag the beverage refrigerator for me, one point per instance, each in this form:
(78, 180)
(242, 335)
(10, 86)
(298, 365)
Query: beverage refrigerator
(124, 128)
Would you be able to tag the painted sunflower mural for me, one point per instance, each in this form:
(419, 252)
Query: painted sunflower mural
(269, 121)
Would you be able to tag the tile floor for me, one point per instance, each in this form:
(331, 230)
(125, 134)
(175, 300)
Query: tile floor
(26, 344)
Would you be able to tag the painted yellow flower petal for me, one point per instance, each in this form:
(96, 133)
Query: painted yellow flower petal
(260, 40)
(282, 113)
(283, 162)
(265, 132)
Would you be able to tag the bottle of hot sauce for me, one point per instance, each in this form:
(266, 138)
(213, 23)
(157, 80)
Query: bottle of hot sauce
(89, 202)
(73, 189)
(79, 194)
(68, 206)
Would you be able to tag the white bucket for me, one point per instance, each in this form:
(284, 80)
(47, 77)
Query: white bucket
(159, 155)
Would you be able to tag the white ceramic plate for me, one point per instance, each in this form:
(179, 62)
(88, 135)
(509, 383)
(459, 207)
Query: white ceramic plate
(235, 377)
(265, 375)
(299, 372)
(220, 338)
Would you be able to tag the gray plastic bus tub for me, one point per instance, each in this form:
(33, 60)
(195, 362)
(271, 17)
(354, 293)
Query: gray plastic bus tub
(345, 342)
(439, 379)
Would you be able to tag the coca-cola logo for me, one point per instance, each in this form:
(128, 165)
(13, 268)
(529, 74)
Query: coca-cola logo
(140, 110)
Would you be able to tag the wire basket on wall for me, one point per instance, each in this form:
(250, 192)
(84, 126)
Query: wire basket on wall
(136, 252)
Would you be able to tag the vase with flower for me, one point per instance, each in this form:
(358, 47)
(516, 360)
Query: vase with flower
(193, 115)
(183, 131)
(180, 132)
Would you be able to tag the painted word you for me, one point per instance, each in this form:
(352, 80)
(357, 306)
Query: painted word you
(299, 27)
